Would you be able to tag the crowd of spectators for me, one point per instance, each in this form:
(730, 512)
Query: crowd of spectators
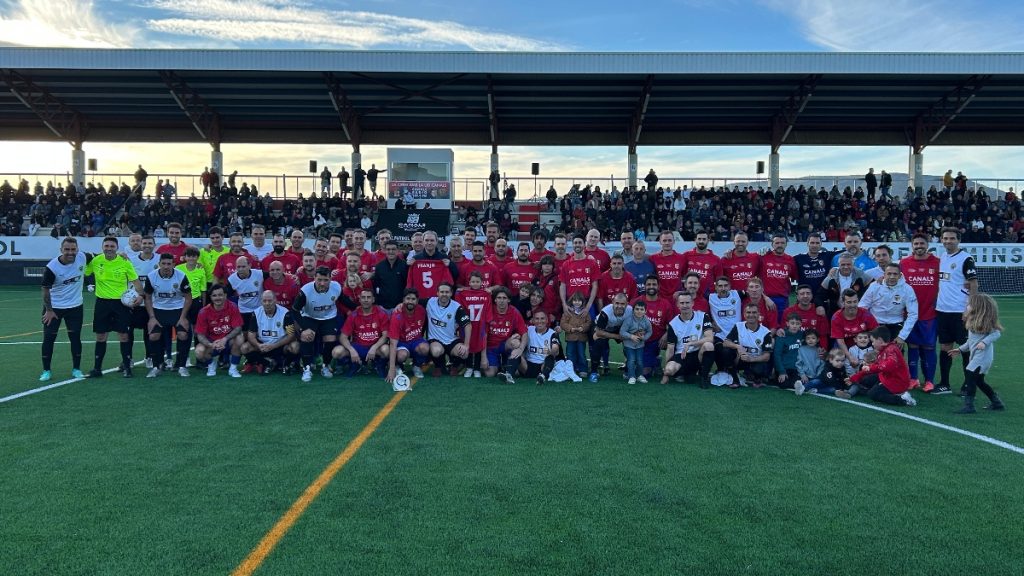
(77, 210)
(797, 211)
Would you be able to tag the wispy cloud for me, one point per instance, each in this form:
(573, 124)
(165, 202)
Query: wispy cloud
(60, 23)
(904, 25)
(281, 21)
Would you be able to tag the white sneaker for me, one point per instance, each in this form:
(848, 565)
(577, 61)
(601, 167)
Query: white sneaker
(183, 372)
(908, 398)
(307, 374)
(416, 372)
(233, 371)
(798, 388)
(641, 380)
(168, 364)
(211, 370)
(476, 373)
(326, 372)
(149, 363)
(188, 362)
(468, 373)
(153, 372)
(631, 381)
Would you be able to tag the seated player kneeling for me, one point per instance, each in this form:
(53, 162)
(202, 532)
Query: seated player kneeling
(542, 348)
(691, 339)
(748, 347)
(405, 336)
(270, 339)
(363, 338)
(505, 331)
(219, 331)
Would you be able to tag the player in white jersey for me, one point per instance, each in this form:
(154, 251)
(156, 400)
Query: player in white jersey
(270, 337)
(541, 348)
(168, 300)
(62, 301)
(892, 302)
(690, 336)
(958, 280)
(143, 261)
(444, 319)
(317, 310)
(749, 347)
(247, 286)
(726, 307)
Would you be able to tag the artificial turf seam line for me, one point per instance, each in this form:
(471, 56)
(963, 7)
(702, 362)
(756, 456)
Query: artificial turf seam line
(939, 425)
(266, 545)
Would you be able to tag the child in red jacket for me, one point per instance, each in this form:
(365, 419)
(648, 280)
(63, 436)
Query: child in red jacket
(887, 379)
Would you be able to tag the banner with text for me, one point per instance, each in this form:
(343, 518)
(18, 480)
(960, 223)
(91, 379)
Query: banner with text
(404, 223)
(421, 191)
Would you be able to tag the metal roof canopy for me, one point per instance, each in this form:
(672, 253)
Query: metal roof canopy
(513, 99)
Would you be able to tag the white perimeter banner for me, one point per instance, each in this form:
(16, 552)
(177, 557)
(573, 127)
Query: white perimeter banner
(985, 255)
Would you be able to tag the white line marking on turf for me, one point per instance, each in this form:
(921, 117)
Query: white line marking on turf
(939, 425)
(37, 343)
(56, 385)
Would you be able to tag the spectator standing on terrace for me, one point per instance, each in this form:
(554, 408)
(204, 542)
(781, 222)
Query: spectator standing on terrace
(343, 177)
(205, 180)
(358, 178)
(325, 181)
(651, 179)
(886, 185)
(140, 180)
(495, 179)
(371, 177)
(552, 197)
(871, 181)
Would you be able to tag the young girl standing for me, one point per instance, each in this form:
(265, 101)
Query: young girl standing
(983, 328)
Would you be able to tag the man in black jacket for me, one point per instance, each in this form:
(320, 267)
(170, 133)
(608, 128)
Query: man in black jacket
(389, 277)
(871, 182)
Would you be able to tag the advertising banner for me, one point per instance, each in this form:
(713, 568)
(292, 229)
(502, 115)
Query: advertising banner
(404, 223)
(421, 191)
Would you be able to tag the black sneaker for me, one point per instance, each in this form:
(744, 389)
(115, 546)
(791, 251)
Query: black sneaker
(940, 390)
(126, 372)
(94, 373)
(541, 379)
(606, 370)
(268, 367)
(705, 382)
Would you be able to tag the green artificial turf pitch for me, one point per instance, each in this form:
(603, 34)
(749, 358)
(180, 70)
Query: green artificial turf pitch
(176, 476)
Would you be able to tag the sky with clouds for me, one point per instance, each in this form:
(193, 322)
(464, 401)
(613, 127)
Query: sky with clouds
(526, 25)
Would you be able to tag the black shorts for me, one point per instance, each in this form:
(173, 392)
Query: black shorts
(951, 328)
(690, 363)
(533, 370)
(247, 319)
(110, 316)
(448, 347)
(320, 328)
(72, 318)
(139, 318)
(167, 319)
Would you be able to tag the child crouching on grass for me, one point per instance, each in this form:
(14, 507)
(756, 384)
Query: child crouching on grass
(635, 330)
(833, 377)
(887, 378)
(983, 329)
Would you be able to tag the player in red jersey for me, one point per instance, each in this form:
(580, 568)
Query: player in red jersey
(539, 250)
(363, 338)
(591, 249)
(849, 321)
(289, 261)
(405, 336)
(739, 264)
(226, 263)
(659, 312)
(691, 285)
(489, 273)
(284, 286)
(811, 317)
(778, 270)
(491, 232)
(218, 330)
(766, 307)
(175, 247)
(367, 259)
(429, 268)
(615, 281)
(383, 236)
(704, 262)
(457, 261)
(521, 271)
(921, 272)
(548, 281)
(477, 302)
(561, 250)
(579, 275)
(669, 266)
(307, 273)
(324, 257)
(504, 327)
(296, 248)
(500, 255)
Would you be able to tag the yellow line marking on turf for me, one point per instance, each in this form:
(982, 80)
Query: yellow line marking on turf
(255, 558)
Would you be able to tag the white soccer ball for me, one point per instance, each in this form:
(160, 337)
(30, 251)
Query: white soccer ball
(128, 297)
(401, 383)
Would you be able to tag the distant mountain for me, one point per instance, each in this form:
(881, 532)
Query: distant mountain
(900, 180)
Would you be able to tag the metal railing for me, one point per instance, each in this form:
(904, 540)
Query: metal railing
(285, 186)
